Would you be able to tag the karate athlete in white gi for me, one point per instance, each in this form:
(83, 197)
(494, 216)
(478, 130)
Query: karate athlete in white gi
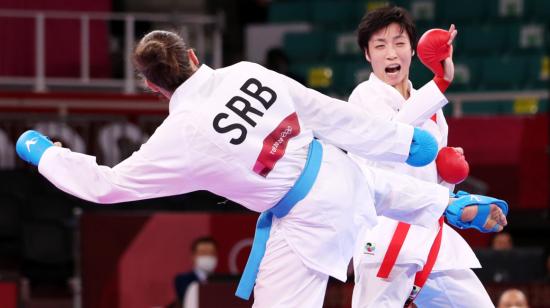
(247, 133)
(388, 256)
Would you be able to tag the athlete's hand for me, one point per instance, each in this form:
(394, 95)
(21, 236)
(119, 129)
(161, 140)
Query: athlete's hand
(31, 145)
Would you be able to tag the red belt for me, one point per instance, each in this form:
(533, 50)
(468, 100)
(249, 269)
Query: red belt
(393, 251)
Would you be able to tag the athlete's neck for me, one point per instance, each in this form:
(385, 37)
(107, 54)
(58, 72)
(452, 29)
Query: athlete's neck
(403, 88)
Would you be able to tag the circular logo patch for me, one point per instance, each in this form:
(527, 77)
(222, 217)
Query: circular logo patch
(370, 247)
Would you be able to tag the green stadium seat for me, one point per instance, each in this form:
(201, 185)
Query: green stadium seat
(363, 6)
(482, 40)
(467, 74)
(306, 46)
(344, 47)
(462, 11)
(538, 10)
(419, 74)
(504, 73)
(296, 11)
(333, 14)
(531, 37)
(348, 74)
(504, 10)
(423, 10)
(538, 71)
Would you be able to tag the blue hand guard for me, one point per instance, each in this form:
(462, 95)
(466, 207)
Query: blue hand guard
(423, 148)
(31, 145)
(464, 199)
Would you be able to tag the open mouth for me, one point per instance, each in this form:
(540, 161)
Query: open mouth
(394, 68)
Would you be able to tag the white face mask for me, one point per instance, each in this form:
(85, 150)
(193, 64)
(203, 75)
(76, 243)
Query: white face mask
(206, 263)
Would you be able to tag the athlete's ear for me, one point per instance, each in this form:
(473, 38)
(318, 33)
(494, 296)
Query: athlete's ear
(193, 57)
(367, 55)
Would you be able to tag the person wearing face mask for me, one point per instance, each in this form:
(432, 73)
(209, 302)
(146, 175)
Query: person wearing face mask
(204, 253)
(397, 263)
(265, 141)
(513, 298)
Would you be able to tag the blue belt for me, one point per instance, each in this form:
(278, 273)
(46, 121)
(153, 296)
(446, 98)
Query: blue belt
(298, 192)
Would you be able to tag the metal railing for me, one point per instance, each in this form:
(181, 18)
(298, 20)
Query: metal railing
(186, 24)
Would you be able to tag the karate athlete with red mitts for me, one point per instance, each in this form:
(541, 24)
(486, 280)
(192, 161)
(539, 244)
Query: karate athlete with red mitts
(397, 263)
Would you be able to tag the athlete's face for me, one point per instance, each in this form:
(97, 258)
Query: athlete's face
(390, 54)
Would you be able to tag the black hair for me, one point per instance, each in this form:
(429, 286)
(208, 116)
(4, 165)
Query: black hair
(381, 18)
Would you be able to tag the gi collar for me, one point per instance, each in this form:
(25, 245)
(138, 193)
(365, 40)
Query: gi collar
(397, 99)
(200, 77)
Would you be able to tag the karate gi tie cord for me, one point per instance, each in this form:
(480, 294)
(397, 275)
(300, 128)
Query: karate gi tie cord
(263, 227)
(464, 199)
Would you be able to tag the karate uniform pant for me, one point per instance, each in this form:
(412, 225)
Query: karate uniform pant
(445, 289)
(284, 281)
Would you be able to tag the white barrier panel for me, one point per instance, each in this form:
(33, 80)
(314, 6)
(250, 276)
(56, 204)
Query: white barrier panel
(68, 136)
(109, 136)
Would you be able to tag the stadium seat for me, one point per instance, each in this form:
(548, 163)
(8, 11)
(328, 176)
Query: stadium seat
(296, 11)
(503, 73)
(308, 46)
(482, 40)
(505, 10)
(363, 6)
(344, 47)
(538, 71)
(419, 74)
(531, 37)
(461, 11)
(538, 10)
(333, 14)
(348, 74)
(423, 10)
(467, 74)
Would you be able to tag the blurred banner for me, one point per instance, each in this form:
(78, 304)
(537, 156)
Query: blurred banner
(130, 260)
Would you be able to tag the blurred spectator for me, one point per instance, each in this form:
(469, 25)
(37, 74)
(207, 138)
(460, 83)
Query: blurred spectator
(513, 298)
(547, 274)
(502, 241)
(204, 250)
(276, 60)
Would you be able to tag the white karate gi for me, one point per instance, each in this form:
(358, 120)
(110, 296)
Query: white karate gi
(205, 144)
(382, 100)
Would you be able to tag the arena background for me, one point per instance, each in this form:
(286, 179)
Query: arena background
(64, 71)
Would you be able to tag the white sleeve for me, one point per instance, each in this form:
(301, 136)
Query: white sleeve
(407, 199)
(371, 103)
(153, 171)
(422, 105)
(349, 127)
